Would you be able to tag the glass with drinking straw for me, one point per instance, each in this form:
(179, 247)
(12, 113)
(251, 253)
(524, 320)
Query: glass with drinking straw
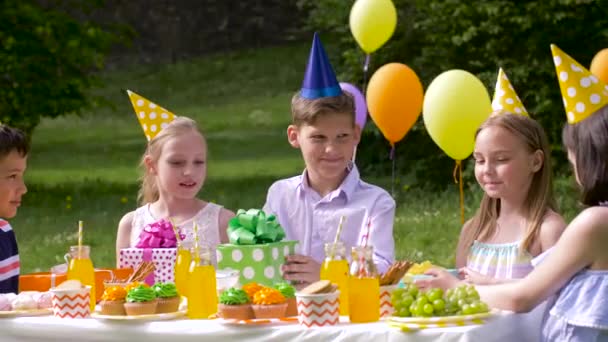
(335, 267)
(80, 266)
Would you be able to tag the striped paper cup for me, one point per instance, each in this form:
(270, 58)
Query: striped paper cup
(318, 309)
(71, 303)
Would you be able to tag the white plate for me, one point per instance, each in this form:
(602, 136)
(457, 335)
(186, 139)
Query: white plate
(442, 319)
(139, 318)
(25, 313)
(258, 321)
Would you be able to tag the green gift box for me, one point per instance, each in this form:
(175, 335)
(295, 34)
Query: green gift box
(259, 263)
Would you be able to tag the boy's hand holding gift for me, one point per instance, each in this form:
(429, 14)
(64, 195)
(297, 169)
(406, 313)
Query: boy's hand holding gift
(157, 244)
(256, 248)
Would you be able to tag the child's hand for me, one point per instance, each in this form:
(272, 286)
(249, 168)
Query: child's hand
(302, 269)
(475, 278)
(441, 278)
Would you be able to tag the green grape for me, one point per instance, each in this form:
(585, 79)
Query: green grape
(422, 299)
(404, 312)
(434, 294)
(449, 293)
(428, 309)
(475, 306)
(407, 299)
(453, 299)
(483, 307)
(399, 305)
(414, 311)
(462, 302)
(397, 294)
(413, 290)
(461, 293)
(466, 309)
(438, 304)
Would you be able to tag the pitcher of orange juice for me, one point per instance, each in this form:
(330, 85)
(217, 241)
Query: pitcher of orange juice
(80, 267)
(202, 293)
(364, 286)
(182, 266)
(335, 269)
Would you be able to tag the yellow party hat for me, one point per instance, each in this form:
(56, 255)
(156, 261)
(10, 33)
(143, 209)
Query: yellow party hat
(583, 93)
(505, 97)
(152, 117)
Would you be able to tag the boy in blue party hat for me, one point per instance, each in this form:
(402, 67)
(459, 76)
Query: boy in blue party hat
(309, 206)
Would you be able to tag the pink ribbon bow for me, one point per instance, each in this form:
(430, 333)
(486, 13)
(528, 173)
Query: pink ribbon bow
(159, 234)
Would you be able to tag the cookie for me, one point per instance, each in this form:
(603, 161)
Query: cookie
(321, 286)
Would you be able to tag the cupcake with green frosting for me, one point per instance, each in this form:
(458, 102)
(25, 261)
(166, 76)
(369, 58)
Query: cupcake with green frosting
(235, 304)
(289, 292)
(166, 297)
(140, 301)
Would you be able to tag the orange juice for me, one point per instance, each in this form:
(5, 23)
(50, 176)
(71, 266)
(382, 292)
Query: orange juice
(336, 271)
(202, 296)
(364, 299)
(82, 269)
(182, 264)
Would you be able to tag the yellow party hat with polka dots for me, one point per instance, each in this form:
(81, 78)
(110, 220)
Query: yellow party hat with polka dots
(505, 97)
(152, 117)
(582, 92)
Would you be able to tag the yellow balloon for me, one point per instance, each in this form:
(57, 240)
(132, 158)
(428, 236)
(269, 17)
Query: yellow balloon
(372, 23)
(455, 105)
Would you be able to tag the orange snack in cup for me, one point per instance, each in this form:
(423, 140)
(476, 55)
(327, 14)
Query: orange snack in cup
(268, 296)
(135, 284)
(114, 293)
(252, 288)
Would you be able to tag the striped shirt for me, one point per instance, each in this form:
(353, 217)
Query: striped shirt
(9, 259)
(499, 260)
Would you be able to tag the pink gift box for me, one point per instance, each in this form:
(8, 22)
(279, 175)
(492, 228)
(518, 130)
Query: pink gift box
(163, 259)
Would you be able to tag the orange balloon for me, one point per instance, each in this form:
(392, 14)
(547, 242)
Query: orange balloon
(599, 65)
(394, 100)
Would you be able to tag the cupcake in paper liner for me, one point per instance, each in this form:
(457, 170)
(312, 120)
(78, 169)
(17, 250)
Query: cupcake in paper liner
(269, 303)
(140, 301)
(113, 301)
(167, 298)
(289, 292)
(234, 304)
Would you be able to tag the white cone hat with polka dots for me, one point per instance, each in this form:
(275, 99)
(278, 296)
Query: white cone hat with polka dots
(151, 116)
(505, 97)
(582, 92)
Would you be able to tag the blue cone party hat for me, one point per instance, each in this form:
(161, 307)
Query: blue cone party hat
(319, 79)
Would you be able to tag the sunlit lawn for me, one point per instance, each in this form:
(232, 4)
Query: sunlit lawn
(85, 168)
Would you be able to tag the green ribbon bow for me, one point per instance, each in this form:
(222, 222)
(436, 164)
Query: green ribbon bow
(253, 227)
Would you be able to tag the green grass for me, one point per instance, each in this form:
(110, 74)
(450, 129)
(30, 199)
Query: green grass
(85, 168)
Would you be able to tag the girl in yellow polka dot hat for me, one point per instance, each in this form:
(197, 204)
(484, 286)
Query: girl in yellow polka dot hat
(174, 169)
(505, 99)
(582, 92)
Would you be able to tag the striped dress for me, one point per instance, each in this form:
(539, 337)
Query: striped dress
(499, 260)
(9, 259)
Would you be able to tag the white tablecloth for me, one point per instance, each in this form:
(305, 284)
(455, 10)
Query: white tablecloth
(505, 327)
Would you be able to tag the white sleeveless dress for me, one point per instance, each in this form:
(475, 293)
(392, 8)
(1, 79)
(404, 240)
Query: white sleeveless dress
(207, 220)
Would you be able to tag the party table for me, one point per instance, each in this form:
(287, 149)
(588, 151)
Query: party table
(502, 327)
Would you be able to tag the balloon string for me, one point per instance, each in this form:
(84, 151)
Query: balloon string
(457, 174)
(392, 157)
(365, 69)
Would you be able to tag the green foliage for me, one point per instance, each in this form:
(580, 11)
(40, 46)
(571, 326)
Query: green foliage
(47, 59)
(436, 36)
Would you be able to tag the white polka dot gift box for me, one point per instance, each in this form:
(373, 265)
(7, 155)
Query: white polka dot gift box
(256, 249)
(157, 243)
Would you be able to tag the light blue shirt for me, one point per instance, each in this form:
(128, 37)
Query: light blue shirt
(313, 220)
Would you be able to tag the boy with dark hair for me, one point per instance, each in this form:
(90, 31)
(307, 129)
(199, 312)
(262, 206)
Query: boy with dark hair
(14, 149)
